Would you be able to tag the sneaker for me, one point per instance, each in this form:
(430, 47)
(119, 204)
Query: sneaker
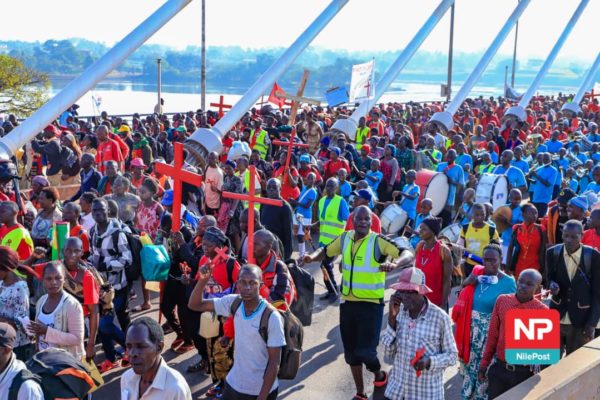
(324, 296)
(200, 366)
(333, 298)
(107, 365)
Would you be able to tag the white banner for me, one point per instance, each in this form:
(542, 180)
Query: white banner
(362, 84)
(597, 88)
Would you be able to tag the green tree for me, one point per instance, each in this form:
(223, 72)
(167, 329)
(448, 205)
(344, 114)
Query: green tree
(22, 90)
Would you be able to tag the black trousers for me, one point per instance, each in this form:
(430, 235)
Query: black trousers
(329, 283)
(360, 327)
(571, 338)
(230, 393)
(542, 209)
(502, 379)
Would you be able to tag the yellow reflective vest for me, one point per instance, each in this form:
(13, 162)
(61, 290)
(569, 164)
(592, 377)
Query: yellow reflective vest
(330, 226)
(361, 277)
(361, 136)
(260, 142)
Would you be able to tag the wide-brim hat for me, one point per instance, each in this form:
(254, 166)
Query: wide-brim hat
(412, 279)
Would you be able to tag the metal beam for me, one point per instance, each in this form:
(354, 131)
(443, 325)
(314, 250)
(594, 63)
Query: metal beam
(204, 140)
(25, 132)
(349, 125)
(518, 112)
(444, 119)
(573, 107)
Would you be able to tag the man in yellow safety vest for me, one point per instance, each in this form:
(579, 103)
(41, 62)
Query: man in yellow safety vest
(364, 268)
(259, 139)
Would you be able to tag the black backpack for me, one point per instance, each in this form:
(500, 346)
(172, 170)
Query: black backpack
(305, 292)
(59, 374)
(133, 271)
(294, 336)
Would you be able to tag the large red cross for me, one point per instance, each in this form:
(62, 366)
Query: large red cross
(179, 175)
(368, 86)
(252, 198)
(290, 146)
(221, 105)
(591, 95)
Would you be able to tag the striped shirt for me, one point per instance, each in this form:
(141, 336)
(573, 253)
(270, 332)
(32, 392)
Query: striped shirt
(496, 342)
(432, 330)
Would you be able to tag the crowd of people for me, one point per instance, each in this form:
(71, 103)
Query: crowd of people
(532, 245)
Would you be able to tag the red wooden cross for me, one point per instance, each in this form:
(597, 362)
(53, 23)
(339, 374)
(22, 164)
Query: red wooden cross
(591, 95)
(252, 198)
(179, 175)
(368, 86)
(222, 255)
(221, 105)
(290, 145)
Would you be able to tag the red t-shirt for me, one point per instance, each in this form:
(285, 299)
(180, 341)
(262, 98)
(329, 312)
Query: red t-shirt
(22, 248)
(82, 234)
(287, 191)
(375, 223)
(591, 238)
(107, 151)
(91, 292)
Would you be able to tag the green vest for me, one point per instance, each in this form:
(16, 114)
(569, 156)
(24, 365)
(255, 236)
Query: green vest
(360, 274)
(13, 240)
(486, 168)
(260, 144)
(361, 136)
(330, 226)
(247, 187)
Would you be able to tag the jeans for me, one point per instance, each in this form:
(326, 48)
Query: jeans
(108, 331)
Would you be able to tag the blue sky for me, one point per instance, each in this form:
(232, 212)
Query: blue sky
(362, 24)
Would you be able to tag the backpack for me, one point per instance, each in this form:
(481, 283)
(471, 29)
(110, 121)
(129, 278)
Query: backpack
(294, 336)
(133, 271)
(106, 295)
(59, 374)
(457, 274)
(305, 293)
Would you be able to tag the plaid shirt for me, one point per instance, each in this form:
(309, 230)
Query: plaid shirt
(432, 330)
(111, 262)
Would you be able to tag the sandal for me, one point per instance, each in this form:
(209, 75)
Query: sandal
(360, 396)
(382, 382)
(141, 308)
(176, 343)
(214, 391)
(184, 348)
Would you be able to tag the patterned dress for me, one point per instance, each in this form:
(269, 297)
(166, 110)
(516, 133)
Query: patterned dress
(14, 304)
(147, 219)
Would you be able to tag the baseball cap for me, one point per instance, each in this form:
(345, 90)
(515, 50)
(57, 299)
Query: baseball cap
(411, 279)
(305, 158)
(124, 128)
(363, 194)
(167, 199)
(8, 335)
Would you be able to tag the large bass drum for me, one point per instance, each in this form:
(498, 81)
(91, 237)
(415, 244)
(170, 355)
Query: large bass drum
(393, 219)
(492, 189)
(434, 185)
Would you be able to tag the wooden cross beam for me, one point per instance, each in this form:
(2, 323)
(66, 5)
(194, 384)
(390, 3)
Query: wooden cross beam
(221, 105)
(252, 198)
(298, 99)
(290, 146)
(179, 176)
(300, 93)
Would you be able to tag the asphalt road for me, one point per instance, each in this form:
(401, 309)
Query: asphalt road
(323, 375)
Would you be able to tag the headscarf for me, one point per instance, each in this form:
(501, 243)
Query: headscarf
(392, 149)
(216, 236)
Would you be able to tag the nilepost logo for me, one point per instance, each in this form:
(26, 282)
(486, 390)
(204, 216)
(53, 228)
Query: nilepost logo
(532, 337)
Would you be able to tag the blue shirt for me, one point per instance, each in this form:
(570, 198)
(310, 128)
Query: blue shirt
(522, 165)
(464, 159)
(541, 192)
(415, 238)
(554, 146)
(374, 184)
(516, 218)
(563, 163)
(542, 148)
(593, 186)
(582, 157)
(456, 176)
(515, 176)
(408, 205)
(494, 157)
(467, 210)
(345, 190)
(486, 295)
(306, 195)
(574, 184)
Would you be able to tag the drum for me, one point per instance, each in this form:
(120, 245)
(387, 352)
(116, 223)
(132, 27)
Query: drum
(506, 213)
(434, 185)
(492, 189)
(403, 243)
(393, 219)
(452, 232)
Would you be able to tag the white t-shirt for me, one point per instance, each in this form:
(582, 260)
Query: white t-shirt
(48, 320)
(250, 357)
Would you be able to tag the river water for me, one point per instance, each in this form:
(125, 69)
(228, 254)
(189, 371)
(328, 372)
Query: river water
(128, 98)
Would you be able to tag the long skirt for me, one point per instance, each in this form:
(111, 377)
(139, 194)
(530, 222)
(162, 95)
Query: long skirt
(472, 388)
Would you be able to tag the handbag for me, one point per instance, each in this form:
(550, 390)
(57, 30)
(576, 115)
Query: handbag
(155, 262)
(209, 325)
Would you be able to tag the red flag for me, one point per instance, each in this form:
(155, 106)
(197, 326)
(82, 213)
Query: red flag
(280, 102)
